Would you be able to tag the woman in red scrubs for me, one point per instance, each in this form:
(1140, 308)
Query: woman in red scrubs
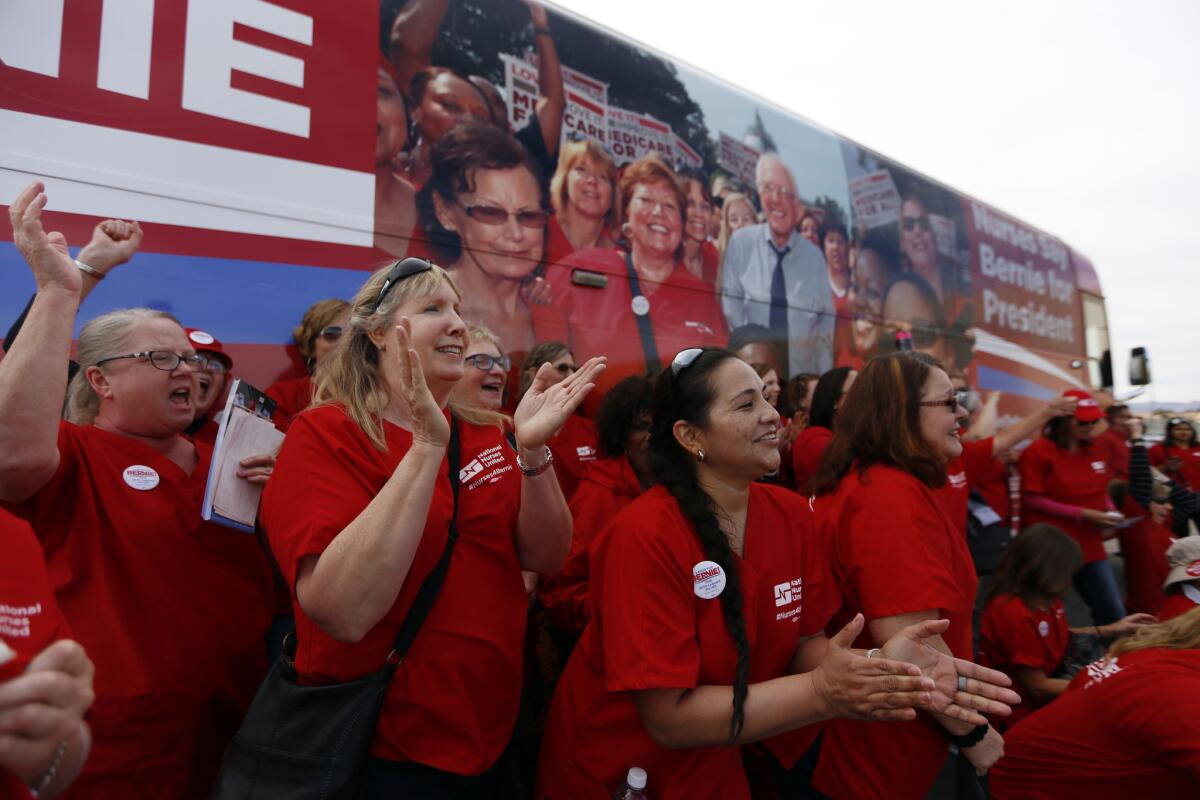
(1128, 725)
(1179, 453)
(709, 602)
(173, 610)
(357, 514)
(898, 559)
(315, 337)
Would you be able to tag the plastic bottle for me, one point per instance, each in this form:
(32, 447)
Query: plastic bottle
(634, 787)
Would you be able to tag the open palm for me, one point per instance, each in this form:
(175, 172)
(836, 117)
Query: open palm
(545, 409)
(46, 253)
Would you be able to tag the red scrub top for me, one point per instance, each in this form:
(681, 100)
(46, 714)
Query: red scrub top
(1126, 727)
(893, 550)
(291, 396)
(1189, 466)
(682, 310)
(1077, 478)
(1175, 604)
(1116, 451)
(652, 630)
(607, 486)
(574, 448)
(172, 610)
(453, 702)
(964, 474)
(807, 451)
(1012, 635)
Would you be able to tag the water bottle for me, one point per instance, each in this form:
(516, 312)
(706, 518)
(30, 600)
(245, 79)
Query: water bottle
(634, 787)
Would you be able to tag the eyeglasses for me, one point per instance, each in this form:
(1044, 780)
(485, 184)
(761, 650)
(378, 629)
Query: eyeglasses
(405, 268)
(331, 333)
(770, 189)
(163, 359)
(912, 223)
(951, 404)
(485, 362)
(494, 215)
(684, 359)
(212, 364)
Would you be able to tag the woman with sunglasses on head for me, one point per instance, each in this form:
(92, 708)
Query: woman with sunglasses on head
(638, 303)
(709, 600)
(358, 513)
(574, 446)
(113, 493)
(315, 337)
(484, 212)
(898, 559)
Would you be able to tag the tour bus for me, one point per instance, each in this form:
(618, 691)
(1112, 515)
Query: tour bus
(276, 152)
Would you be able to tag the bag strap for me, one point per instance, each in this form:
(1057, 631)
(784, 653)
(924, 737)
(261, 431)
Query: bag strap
(428, 592)
(644, 325)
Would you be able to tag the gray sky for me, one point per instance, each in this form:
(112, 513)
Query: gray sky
(1082, 118)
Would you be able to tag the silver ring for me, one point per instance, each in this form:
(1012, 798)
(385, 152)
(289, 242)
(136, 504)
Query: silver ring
(962, 683)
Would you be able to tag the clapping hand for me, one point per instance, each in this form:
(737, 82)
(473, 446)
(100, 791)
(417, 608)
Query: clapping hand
(429, 423)
(543, 411)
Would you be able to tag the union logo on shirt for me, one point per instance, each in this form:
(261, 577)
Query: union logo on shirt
(1099, 670)
(1100, 466)
(958, 480)
(586, 453)
(487, 467)
(787, 593)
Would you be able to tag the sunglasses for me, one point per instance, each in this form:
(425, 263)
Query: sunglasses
(483, 361)
(951, 404)
(405, 268)
(684, 359)
(494, 215)
(912, 223)
(331, 333)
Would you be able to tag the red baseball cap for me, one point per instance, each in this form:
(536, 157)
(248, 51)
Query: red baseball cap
(1087, 410)
(205, 342)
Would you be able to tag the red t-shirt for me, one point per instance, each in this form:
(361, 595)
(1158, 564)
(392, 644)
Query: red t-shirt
(1174, 604)
(1144, 549)
(172, 610)
(993, 488)
(1011, 635)
(1126, 727)
(682, 310)
(894, 550)
(1189, 466)
(656, 626)
(607, 486)
(574, 447)
(1078, 478)
(964, 474)
(807, 451)
(453, 702)
(291, 396)
(1116, 451)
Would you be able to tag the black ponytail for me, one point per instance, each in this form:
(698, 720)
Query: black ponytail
(687, 396)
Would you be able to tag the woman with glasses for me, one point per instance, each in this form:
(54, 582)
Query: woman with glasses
(318, 333)
(485, 373)
(638, 303)
(574, 446)
(898, 559)
(171, 609)
(484, 212)
(1064, 481)
(358, 513)
(212, 380)
(709, 602)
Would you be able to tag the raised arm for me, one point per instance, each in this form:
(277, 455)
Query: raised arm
(414, 31)
(33, 380)
(552, 100)
(1009, 437)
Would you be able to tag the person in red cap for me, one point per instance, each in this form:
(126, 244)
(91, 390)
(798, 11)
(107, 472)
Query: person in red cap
(1064, 481)
(1182, 586)
(211, 380)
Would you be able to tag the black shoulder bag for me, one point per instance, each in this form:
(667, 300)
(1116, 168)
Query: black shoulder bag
(311, 742)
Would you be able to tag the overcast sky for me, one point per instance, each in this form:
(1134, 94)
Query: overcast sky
(1082, 118)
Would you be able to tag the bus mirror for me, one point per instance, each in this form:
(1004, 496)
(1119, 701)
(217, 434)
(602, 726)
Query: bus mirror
(1106, 370)
(1139, 367)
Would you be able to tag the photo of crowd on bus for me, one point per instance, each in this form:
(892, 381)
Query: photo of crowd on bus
(630, 470)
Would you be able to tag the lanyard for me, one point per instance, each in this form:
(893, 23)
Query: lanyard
(644, 326)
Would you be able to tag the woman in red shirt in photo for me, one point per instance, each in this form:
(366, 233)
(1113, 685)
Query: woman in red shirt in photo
(583, 194)
(172, 609)
(315, 337)
(650, 306)
(809, 447)
(898, 559)
(700, 256)
(1128, 725)
(709, 600)
(574, 446)
(357, 514)
(1178, 454)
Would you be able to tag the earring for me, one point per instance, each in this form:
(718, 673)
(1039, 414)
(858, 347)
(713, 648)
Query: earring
(700, 455)
(626, 229)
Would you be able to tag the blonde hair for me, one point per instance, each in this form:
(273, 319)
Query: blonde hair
(106, 336)
(478, 333)
(731, 199)
(1180, 633)
(569, 156)
(483, 333)
(317, 318)
(351, 376)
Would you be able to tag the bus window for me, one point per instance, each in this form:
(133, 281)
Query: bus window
(1095, 326)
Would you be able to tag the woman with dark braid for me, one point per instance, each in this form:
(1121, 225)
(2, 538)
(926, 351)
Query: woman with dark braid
(709, 601)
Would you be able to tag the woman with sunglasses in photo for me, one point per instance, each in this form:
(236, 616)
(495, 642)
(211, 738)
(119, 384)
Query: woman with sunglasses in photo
(574, 446)
(318, 333)
(173, 610)
(909, 303)
(1064, 481)
(638, 303)
(709, 603)
(484, 211)
(898, 559)
(357, 514)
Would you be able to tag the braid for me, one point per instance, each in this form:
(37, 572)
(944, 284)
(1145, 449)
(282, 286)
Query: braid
(675, 469)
